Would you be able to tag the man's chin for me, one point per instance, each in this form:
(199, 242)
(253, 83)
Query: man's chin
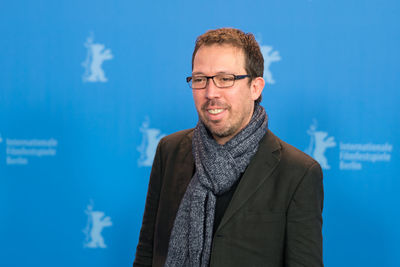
(216, 128)
(220, 132)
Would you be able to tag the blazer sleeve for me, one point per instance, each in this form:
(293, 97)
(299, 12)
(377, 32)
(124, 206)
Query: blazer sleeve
(144, 250)
(304, 221)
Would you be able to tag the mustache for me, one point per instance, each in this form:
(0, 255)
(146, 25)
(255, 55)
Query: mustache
(214, 102)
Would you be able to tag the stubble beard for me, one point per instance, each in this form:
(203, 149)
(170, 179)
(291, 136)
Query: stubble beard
(229, 129)
(223, 132)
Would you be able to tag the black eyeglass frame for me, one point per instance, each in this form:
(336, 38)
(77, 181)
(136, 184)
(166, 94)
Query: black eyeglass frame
(235, 77)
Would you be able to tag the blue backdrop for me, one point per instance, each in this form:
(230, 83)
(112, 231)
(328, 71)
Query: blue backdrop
(87, 88)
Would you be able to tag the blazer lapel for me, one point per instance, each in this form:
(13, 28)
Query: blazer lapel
(260, 168)
(186, 166)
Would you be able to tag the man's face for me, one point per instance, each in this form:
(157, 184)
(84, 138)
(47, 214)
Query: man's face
(224, 111)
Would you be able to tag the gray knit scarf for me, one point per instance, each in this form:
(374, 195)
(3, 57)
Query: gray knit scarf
(218, 167)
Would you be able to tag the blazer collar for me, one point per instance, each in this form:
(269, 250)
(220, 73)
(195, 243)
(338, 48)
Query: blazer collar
(260, 169)
(187, 169)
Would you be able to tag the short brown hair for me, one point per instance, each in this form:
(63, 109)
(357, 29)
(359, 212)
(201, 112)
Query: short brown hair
(254, 61)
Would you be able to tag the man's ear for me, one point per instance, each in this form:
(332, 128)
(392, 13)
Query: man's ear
(256, 87)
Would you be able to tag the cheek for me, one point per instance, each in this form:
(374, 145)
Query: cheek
(240, 99)
(243, 104)
(197, 98)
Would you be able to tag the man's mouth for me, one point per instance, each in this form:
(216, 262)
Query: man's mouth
(215, 111)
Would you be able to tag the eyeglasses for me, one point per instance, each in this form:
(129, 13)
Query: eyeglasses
(220, 80)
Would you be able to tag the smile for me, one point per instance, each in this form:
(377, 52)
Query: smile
(215, 111)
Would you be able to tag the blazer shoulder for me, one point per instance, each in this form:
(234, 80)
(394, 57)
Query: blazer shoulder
(173, 141)
(294, 157)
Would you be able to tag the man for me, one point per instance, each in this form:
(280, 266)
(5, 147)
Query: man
(229, 192)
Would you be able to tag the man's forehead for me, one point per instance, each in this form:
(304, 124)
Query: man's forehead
(221, 57)
(229, 48)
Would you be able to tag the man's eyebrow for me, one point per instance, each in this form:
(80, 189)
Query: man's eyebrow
(219, 72)
(197, 73)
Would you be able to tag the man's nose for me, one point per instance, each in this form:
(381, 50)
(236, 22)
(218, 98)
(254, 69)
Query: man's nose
(212, 91)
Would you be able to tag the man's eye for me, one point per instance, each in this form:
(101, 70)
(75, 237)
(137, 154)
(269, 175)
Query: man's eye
(226, 78)
(198, 79)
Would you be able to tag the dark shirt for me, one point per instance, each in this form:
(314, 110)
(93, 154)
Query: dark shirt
(222, 204)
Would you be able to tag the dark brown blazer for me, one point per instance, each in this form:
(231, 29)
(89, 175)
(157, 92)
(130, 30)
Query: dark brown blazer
(273, 219)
